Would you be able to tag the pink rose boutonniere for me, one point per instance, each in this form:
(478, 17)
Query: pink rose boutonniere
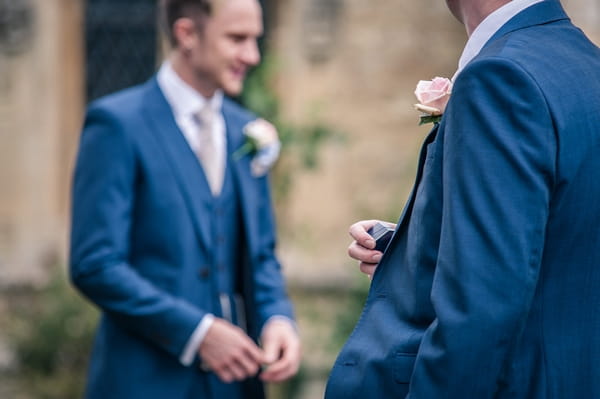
(263, 142)
(433, 95)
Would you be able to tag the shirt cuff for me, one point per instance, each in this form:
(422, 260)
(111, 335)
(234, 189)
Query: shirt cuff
(191, 348)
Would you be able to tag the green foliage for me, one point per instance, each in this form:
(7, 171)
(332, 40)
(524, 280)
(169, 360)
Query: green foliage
(258, 94)
(290, 389)
(51, 330)
(300, 143)
(435, 119)
(346, 320)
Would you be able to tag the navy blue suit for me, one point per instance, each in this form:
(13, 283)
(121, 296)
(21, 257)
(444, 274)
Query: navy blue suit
(490, 287)
(154, 249)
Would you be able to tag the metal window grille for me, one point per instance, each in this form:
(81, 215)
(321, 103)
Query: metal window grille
(121, 44)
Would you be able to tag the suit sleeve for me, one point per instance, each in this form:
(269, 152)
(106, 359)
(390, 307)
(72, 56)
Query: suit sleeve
(102, 209)
(268, 285)
(498, 168)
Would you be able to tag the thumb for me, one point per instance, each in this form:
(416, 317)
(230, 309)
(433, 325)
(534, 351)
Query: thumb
(271, 349)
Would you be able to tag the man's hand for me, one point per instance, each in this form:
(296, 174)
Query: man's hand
(361, 248)
(230, 353)
(282, 351)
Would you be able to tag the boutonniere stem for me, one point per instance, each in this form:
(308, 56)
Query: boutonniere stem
(244, 150)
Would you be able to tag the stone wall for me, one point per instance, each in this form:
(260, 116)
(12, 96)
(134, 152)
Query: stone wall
(586, 15)
(40, 111)
(354, 65)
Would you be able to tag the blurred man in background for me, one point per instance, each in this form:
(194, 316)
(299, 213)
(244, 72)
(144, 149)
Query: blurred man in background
(173, 237)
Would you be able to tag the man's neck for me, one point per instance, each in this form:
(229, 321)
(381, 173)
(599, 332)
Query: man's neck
(474, 12)
(185, 72)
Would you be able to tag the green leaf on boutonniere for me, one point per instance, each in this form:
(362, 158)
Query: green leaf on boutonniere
(248, 147)
(429, 119)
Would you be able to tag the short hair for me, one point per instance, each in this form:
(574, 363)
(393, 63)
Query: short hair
(172, 10)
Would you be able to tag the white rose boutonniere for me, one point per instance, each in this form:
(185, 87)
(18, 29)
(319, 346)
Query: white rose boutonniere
(261, 141)
(433, 95)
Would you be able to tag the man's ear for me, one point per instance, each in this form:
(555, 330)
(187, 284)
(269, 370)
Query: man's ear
(184, 31)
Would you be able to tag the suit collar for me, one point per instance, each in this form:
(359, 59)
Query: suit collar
(488, 27)
(509, 18)
(541, 13)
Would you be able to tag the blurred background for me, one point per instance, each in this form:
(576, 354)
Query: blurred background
(337, 79)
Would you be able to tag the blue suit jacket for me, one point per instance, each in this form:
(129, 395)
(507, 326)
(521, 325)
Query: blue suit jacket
(141, 244)
(490, 287)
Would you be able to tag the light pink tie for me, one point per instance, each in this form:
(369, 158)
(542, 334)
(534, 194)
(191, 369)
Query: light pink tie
(208, 152)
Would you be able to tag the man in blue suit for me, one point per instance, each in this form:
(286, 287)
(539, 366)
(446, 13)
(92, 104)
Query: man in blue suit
(175, 244)
(490, 286)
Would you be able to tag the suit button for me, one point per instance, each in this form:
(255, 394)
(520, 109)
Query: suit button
(221, 239)
(204, 272)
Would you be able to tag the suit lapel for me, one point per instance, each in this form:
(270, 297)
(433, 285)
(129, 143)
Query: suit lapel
(185, 165)
(240, 170)
(411, 199)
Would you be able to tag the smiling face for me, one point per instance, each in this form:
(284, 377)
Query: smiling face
(218, 53)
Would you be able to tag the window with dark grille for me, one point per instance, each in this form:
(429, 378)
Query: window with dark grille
(121, 40)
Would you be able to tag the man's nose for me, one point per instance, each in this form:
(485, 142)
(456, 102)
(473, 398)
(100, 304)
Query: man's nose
(251, 54)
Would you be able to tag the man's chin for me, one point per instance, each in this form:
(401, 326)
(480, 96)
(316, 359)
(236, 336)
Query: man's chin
(233, 90)
(233, 84)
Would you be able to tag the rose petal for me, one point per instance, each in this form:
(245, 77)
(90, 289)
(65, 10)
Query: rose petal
(441, 84)
(434, 93)
(263, 132)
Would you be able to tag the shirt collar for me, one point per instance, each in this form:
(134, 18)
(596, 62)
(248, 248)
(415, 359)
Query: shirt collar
(486, 29)
(183, 99)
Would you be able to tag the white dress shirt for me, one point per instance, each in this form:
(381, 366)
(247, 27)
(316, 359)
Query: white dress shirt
(488, 27)
(185, 102)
